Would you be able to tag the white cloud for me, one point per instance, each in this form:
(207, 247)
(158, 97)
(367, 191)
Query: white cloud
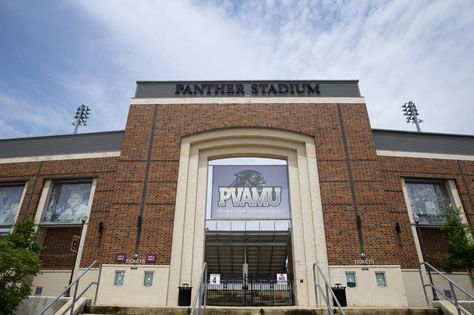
(17, 110)
(399, 50)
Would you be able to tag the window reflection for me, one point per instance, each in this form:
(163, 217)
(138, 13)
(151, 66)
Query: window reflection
(68, 203)
(428, 200)
(9, 203)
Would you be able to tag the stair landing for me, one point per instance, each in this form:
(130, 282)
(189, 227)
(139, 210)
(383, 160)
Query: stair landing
(293, 310)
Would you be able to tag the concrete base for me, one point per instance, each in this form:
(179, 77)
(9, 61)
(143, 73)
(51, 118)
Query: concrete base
(256, 311)
(35, 304)
(449, 308)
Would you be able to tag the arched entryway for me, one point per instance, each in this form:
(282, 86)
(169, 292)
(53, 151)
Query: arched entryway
(307, 234)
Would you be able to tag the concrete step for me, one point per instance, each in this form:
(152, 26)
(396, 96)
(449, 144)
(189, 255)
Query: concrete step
(213, 310)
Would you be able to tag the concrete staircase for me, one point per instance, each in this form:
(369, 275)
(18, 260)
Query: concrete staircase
(93, 310)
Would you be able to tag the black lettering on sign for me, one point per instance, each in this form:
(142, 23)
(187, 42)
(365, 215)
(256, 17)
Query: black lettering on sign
(254, 89)
(187, 90)
(219, 89)
(292, 88)
(263, 87)
(272, 89)
(312, 90)
(239, 89)
(230, 89)
(299, 88)
(197, 89)
(179, 89)
(207, 88)
(282, 88)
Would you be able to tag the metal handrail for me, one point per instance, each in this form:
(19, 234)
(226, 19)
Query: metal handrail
(454, 300)
(76, 297)
(325, 296)
(201, 296)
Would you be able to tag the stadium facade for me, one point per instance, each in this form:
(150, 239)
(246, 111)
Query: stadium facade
(260, 180)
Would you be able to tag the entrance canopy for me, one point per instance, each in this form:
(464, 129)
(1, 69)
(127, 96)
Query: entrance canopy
(264, 251)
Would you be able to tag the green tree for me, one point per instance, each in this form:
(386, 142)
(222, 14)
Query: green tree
(19, 262)
(460, 254)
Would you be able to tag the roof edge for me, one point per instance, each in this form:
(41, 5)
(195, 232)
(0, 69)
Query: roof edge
(64, 135)
(423, 133)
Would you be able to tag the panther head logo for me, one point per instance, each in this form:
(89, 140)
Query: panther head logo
(248, 178)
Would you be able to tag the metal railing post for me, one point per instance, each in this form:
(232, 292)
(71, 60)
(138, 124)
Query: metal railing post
(205, 287)
(423, 286)
(97, 286)
(435, 296)
(76, 287)
(454, 301)
(201, 294)
(329, 292)
(455, 298)
(76, 284)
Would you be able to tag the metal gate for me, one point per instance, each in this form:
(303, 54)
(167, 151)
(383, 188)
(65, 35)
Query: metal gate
(256, 290)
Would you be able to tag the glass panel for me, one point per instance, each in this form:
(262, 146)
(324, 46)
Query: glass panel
(428, 201)
(380, 279)
(9, 203)
(351, 279)
(119, 277)
(148, 282)
(67, 203)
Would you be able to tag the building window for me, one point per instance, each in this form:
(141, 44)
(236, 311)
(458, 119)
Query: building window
(10, 197)
(351, 279)
(119, 277)
(148, 280)
(428, 200)
(38, 291)
(67, 203)
(380, 279)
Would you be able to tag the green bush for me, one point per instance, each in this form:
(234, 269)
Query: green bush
(460, 254)
(19, 262)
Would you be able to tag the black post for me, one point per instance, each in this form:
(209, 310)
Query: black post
(75, 259)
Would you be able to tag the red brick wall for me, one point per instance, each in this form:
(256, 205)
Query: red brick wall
(57, 255)
(317, 120)
(120, 181)
(393, 170)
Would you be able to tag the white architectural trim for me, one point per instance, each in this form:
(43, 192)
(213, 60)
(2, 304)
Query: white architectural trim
(248, 100)
(308, 236)
(412, 221)
(425, 155)
(60, 157)
(84, 229)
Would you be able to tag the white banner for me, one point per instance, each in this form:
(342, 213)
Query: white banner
(250, 192)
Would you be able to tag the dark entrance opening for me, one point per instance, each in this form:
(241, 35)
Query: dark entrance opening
(249, 268)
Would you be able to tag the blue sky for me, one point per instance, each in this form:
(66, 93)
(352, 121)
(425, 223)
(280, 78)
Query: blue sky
(56, 55)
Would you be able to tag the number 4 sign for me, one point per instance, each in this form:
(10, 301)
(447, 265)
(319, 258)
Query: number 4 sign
(215, 278)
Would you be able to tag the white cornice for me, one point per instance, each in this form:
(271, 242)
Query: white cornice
(423, 155)
(60, 157)
(248, 100)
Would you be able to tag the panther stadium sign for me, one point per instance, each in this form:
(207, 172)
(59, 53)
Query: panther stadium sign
(250, 192)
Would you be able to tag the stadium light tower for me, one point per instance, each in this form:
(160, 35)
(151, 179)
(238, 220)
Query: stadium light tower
(82, 114)
(410, 111)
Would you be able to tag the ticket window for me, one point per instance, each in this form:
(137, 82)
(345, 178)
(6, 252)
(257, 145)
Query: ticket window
(351, 279)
